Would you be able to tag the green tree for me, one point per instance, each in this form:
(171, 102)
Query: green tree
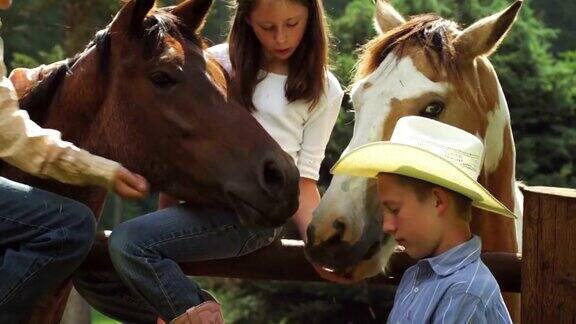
(559, 14)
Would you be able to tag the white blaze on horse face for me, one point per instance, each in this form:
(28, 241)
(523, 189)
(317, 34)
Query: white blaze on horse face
(372, 96)
(497, 120)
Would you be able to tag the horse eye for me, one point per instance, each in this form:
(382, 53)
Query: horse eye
(433, 110)
(162, 80)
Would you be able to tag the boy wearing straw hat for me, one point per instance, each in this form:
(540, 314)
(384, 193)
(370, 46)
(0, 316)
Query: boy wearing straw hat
(426, 185)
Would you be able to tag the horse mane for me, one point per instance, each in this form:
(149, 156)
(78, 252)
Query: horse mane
(37, 100)
(435, 35)
(156, 26)
(432, 32)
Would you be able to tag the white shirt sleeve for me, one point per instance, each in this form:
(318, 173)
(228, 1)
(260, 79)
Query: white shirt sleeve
(317, 130)
(220, 54)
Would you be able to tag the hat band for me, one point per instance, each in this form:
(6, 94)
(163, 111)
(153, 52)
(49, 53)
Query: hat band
(468, 162)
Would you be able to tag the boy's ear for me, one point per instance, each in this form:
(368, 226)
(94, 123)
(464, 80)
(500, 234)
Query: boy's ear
(441, 200)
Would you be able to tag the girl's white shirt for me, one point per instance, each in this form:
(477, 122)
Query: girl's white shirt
(301, 132)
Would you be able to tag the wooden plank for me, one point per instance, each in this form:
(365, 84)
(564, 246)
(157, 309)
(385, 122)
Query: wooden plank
(530, 284)
(549, 265)
(285, 260)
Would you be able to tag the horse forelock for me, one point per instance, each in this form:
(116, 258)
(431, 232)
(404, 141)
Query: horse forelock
(431, 32)
(161, 25)
(429, 40)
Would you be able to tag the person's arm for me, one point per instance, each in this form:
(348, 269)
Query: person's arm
(43, 153)
(316, 133)
(308, 201)
(317, 130)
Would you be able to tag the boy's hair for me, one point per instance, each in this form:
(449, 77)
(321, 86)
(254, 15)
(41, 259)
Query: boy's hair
(422, 189)
(306, 67)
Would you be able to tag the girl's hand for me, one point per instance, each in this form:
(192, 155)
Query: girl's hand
(331, 276)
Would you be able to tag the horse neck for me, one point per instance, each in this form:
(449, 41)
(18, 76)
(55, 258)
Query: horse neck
(73, 112)
(498, 177)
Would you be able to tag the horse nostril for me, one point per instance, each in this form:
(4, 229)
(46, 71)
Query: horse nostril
(273, 178)
(340, 227)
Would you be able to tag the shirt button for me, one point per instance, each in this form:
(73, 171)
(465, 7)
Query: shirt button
(416, 289)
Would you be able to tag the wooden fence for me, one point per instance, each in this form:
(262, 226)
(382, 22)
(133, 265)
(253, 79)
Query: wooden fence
(544, 274)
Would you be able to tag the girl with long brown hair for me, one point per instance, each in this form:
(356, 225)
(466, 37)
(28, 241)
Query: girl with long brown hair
(276, 57)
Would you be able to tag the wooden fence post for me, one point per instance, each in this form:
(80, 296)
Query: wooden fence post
(549, 255)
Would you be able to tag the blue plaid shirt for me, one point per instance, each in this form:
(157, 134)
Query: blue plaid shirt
(453, 287)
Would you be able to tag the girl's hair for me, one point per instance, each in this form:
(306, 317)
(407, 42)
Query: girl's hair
(306, 66)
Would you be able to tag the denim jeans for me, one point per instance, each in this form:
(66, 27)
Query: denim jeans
(145, 252)
(43, 239)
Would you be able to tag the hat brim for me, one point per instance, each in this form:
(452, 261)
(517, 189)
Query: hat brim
(371, 159)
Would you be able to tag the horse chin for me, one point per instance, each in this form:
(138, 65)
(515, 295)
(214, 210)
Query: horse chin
(366, 268)
(376, 264)
(251, 216)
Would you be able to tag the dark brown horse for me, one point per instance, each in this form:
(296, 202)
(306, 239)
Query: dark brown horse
(145, 94)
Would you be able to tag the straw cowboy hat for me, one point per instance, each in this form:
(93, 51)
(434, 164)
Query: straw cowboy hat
(428, 150)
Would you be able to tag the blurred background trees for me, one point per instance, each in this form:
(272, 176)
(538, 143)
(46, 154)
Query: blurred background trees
(536, 65)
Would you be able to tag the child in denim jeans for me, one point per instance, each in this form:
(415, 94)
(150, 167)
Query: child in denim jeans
(43, 236)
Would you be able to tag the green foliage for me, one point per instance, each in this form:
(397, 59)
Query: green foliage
(28, 61)
(39, 31)
(294, 302)
(535, 64)
(558, 14)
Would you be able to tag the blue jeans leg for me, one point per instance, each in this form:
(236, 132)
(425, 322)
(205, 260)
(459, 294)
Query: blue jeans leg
(43, 239)
(146, 250)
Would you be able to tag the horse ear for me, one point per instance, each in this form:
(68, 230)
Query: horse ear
(131, 17)
(484, 36)
(387, 17)
(193, 13)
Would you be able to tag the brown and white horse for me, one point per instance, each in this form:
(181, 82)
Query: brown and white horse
(424, 66)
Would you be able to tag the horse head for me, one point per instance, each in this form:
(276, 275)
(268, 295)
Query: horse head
(145, 93)
(425, 66)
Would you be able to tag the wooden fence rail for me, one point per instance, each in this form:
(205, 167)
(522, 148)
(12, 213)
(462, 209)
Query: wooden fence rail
(545, 273)
(284, 260)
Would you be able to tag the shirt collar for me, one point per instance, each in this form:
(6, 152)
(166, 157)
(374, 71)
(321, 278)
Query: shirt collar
(456, 258)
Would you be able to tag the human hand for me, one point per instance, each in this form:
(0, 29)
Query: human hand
(24, 79)
(331, 276)
(130, 185)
